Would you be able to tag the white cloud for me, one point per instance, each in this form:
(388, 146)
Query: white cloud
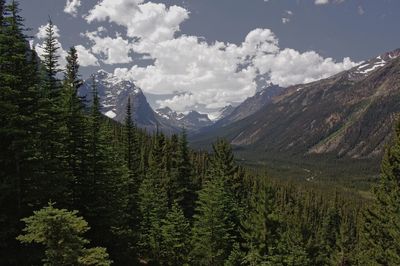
(324, 2)
(85, 57)
(289, 67)
(213, 75)
(321, 2)
(286, 16)
(71, 7)
(114, 50)
(151, 21)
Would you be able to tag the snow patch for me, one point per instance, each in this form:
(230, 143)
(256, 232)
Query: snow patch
(111, 114)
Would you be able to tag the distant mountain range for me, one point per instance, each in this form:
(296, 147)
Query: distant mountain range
(350, 114)
(114, 93)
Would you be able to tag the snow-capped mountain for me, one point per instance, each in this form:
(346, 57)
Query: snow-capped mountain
(114, 93)
(192, 121)
(367, 67)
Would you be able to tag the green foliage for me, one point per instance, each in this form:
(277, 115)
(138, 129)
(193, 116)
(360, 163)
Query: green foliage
(212, 233)
(260, 225)
(176, 237)
(60, 231)
(380, 232)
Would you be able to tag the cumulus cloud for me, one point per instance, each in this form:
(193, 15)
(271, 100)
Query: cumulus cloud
(289, 67)
(85, 56)
(208, 74)
(113, 50)
(151, 21)
(71, 7)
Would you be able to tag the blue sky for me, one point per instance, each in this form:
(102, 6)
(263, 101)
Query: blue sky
(211, 51)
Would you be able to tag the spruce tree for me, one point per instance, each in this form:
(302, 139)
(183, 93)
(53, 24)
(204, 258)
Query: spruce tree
(132, 158)
(380, 233)
(153, 202)
(182, 186)
(76, 123)
(212, 233)
(55, 177)
(176, 237)
(19, 154)
(103, 190)
(260, 226)
(60, 231)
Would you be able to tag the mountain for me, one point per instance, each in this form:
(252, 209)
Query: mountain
(251, 105)
(192, 121)
(350, 114)
(114, 93)
(225, 111)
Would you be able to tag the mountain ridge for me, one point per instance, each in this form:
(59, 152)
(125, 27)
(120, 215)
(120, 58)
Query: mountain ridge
(348, 115)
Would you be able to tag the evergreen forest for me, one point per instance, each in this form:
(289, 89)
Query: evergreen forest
(77, 188)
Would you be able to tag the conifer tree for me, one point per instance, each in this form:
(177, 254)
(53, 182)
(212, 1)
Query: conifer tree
(182, 187)
(260, 226)
(60, 231)
(102, 191)
(55, 176)
(50, 59)
(19, 155)
(76, 129)
(153, 202)
(380, 233)
(132, 155)
(176, 237)
(212, 233)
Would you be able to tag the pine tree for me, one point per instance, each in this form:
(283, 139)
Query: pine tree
(55, 177)
(60, 231)
(153, 202)
(103, 190)
(132, 158)
(19, 154)
(328, 236)
(380, 233)
(50, 59)
(132, 149)
(182, 186)
(212, 233)
(176, 241)
(76, 122)
(260, 226)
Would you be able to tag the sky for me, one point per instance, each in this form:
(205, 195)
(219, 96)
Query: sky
(206, 54)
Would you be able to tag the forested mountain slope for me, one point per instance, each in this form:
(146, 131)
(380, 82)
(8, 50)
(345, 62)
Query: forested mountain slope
(348, 115)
